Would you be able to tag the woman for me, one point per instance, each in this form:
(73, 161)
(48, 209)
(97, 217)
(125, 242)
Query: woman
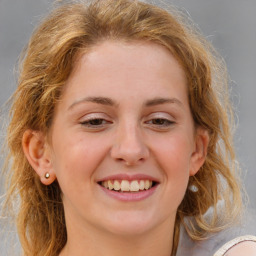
(120, 135)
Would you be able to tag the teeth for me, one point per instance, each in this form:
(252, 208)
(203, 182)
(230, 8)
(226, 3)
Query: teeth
(116, 185)
(134, 186)
(110, 185)
(126, 185)
(142, 185)
(147, 184)
(105, 184)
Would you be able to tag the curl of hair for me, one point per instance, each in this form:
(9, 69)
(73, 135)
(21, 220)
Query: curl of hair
(71, 30)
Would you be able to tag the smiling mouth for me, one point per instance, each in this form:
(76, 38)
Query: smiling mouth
(128, 186)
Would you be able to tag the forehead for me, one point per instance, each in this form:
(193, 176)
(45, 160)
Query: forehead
(132, 54)
(114, 65)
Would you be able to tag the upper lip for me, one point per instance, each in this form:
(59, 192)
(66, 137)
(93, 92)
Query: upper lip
(129, 177)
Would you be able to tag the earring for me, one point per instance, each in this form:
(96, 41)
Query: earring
(47, 175)
(193, 188)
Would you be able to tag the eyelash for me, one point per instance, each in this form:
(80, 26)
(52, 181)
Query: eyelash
(90, 122)
(161, 122)
(96, 123)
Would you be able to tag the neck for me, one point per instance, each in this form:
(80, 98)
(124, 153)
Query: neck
(89, 242)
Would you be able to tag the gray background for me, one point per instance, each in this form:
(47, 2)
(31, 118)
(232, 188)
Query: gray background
(229, 24)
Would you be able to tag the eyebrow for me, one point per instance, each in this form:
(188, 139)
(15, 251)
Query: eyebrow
(109, 102)
(159, 101)
(99, 100)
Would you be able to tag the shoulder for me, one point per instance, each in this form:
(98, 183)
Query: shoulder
(243, 245)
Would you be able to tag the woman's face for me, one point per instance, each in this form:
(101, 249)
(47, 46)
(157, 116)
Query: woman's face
(123, 143)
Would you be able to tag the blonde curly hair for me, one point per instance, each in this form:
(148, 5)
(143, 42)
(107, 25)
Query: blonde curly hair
(46, 64)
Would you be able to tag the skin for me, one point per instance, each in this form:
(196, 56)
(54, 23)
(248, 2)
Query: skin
(244, 248)
(133, 132)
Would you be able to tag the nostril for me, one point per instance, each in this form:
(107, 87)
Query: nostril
(130, 151)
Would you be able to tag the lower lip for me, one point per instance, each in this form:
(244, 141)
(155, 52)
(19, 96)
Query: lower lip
(130, 196)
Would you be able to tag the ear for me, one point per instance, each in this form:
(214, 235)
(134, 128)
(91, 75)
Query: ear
(200, 150)
(38, 155)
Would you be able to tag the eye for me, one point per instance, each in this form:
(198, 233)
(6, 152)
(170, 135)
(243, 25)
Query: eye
(94, 122)
(161, 122)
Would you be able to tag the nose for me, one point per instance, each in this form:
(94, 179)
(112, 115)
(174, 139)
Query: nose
(129, 146)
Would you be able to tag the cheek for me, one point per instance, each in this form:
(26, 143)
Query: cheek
(76, 158)
(173, 156)
(175, 151)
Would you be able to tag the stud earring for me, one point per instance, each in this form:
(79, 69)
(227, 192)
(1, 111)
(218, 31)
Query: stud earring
(47, 175)
(193, 188)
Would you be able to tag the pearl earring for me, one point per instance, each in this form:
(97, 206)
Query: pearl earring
(193, 188)
(47, 175)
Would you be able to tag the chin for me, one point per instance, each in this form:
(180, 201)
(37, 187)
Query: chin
(127, 224)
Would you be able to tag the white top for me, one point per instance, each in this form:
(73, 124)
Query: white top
(227, 246)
